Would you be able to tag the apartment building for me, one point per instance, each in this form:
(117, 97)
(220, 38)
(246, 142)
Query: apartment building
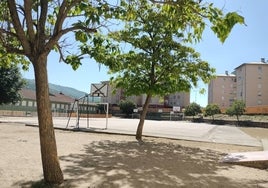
(252, 79)
(222, 90)
(181, 99)
(248, 83)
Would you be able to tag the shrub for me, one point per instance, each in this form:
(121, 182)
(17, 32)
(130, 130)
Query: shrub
(212, 109)
(192, 110)
(127, 107)
(237, 109)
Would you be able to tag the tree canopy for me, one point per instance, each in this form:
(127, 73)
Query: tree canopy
(157, 58)
(212, 109)
(127, 107)
(237, 109)
(193, 109)
(11, 82)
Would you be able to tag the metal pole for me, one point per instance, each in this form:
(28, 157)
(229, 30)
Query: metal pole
(87, 113)
(107, 115)
(77, 115)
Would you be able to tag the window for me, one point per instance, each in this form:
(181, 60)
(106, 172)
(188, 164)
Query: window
(260, 69)
(259, 86)
(30, 103)
(259, 102)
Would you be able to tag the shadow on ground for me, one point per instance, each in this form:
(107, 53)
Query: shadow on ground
(151, 164)
(130, 164)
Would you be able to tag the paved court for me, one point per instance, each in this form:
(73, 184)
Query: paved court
(167, 129)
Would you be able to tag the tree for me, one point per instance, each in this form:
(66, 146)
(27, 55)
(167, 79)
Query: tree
(29, 31)
(212, 109)
(157, 58)
(11, 83)
(127, 107)
(193, 109)
(237, 109)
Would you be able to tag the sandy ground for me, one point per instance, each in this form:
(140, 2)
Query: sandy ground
(102, 160)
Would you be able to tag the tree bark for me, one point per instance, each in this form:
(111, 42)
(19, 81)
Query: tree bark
(51, 166)
(142, 118)
(237, 117)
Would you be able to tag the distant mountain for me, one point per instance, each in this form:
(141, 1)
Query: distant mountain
(54, 89)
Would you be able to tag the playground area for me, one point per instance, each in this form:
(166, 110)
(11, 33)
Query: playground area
(92, 158)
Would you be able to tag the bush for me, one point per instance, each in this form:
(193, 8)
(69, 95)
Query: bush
(211, 110)
(237, 109)
(127, 107)
(192, 110)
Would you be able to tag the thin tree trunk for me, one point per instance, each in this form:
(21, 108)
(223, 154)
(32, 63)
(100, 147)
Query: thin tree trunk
(237, 117)
(51, 167)
(142, 118)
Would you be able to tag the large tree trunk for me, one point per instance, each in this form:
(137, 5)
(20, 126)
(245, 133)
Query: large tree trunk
(142, 118)
(51, 167)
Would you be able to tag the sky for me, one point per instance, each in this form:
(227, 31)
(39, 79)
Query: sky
(246, 43)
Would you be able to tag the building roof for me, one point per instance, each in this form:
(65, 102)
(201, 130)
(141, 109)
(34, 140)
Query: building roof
(28, 94)
(59, 97)
(225, 75)
(252, 63)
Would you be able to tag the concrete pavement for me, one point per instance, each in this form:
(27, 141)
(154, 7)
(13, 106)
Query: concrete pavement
(181, 130)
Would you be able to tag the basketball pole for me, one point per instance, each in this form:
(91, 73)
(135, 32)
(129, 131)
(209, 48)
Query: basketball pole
(70, 115)
(77, 111)
(97, 90)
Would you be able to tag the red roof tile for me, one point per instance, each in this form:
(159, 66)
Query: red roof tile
(30, 94)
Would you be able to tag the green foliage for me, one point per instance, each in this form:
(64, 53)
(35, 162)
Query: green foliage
(157, 60)
(212, 109)
(11, 83)
(6, 59)
(224, 26)
(82, 18)
(74, 61)
(237, 109)
(127, 107)
(193, 109)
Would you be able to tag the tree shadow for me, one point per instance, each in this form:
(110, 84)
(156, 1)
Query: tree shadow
(152, 164)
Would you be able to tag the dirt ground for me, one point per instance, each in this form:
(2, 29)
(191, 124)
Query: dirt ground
(259, 133)
(103, 160)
